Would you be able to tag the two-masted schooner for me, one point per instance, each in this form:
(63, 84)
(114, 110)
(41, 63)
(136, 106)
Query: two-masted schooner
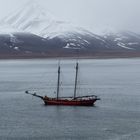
(87, 100)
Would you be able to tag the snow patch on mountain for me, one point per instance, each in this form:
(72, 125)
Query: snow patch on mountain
(123, 46)
(134, 43)
(13, 39)
(86, 41)
(67, 46)
(16, 48)
(71, 46)
(117, 39)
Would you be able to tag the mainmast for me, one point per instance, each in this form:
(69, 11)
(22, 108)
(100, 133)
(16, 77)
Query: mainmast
(75, 88)
(58, 82)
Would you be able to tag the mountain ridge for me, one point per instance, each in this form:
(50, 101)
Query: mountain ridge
(30, 31)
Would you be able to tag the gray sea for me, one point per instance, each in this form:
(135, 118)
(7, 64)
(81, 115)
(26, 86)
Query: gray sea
(115, 117)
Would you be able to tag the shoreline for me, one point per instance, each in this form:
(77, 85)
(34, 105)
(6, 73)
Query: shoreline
(99, 56)
(68, 58)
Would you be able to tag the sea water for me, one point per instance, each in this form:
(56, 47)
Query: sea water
(115, 117)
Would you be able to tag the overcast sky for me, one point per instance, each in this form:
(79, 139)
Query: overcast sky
(94, 15)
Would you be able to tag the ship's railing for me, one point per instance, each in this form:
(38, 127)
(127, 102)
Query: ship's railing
(80, 97)
(88, 97)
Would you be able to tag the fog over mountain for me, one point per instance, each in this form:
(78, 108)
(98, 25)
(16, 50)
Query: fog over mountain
(32, 30)
(94, 15)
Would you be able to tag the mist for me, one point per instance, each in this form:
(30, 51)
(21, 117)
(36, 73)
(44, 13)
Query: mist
(94, 15)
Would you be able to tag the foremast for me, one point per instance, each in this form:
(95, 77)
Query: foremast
(75, 87)
(58, 82)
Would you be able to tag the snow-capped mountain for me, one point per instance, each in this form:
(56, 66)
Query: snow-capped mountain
(33, 19)
(32, 30)
(123, 40)
(29, 18)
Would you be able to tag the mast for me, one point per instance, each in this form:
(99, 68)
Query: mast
(58, 82)
(75, 88)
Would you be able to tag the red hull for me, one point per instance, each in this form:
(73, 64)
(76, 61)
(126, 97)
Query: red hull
(69, 101)
(89, 102)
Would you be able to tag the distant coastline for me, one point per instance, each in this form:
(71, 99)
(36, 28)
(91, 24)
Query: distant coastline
(100, 55)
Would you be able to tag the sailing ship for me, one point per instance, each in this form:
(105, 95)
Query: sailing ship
(87, 100)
